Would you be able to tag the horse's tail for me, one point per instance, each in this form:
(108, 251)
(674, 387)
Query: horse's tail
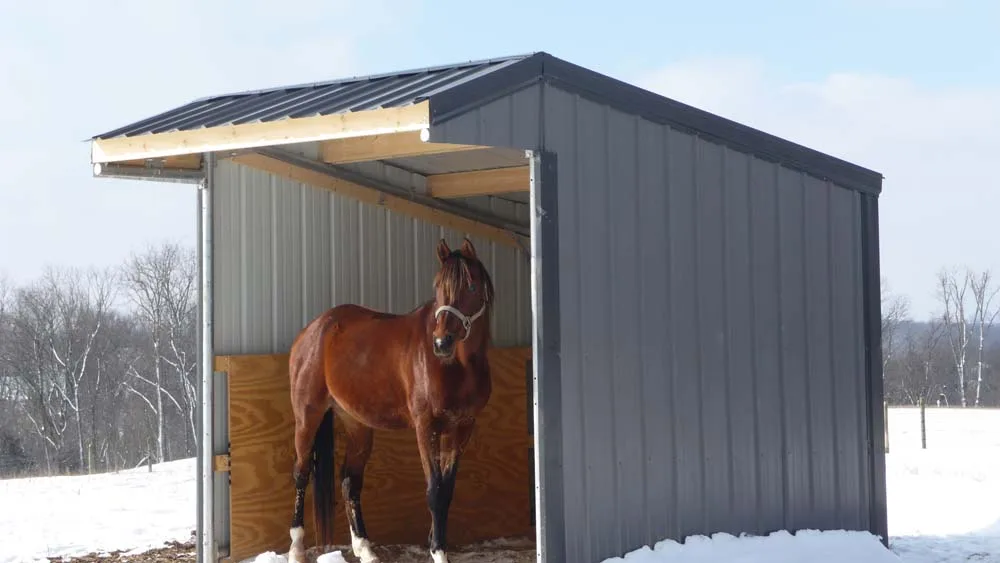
(322, 470)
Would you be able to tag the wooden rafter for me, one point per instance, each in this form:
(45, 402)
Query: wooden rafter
(380, 147)
(375, 197)
(479, 182)
(251, 135)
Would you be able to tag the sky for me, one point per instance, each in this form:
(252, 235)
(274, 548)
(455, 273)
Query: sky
(910, 88)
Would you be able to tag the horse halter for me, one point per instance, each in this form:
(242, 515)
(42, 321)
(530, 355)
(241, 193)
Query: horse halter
(466, 321)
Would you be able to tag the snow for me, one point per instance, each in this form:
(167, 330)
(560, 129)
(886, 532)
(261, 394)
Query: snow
(778, 547)
(68, 516)
(271, 557)
(944, 507)
(943, 504)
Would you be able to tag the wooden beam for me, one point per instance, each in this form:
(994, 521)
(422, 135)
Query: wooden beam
(381, 147)
(479, 182)
(220, 463)
(375, 197)
(250, 135)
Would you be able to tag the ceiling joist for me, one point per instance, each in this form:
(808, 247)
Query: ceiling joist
(384, 147)
(298, 169)
(494, 181)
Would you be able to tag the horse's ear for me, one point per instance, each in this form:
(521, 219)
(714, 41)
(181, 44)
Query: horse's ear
(468, 250)
(442, 250)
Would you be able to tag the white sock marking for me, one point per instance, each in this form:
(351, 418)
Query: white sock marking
(363, 549)
(439, 557)
(297, 552)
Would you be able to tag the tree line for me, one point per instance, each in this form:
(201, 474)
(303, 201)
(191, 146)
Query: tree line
(98, 366)
(952, 358)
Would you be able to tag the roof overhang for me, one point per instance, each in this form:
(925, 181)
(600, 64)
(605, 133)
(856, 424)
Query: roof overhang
(415, 117)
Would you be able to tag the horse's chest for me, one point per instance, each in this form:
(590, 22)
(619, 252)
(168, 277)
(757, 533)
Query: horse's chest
(461, 400)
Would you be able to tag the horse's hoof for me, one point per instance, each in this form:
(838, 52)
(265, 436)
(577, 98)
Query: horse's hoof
(439, 556)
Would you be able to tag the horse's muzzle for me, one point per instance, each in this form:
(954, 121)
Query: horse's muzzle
(444, 345)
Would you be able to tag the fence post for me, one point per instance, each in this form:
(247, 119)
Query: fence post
(923, 424)
(885, 423)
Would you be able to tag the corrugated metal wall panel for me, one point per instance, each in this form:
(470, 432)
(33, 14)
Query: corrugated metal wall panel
(711, 338)
(284, 252)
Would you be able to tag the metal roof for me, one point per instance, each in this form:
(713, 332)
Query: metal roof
(358, 93)
(457, 88)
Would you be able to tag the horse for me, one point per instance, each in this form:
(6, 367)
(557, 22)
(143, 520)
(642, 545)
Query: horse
(426, 370)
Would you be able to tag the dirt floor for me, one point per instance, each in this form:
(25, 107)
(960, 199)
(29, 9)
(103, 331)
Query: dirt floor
(508, 551)
(173, 551)
(500, 551)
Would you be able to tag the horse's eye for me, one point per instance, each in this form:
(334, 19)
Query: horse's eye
(472, 287)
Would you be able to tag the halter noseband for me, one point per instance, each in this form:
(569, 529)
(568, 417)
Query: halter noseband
(466, 321)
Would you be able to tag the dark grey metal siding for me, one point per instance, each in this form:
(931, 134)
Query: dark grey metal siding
(509, 121)
(711, 338)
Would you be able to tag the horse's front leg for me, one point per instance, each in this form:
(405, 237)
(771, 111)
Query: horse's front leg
(440, 451)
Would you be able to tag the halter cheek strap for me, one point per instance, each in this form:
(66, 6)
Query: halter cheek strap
(466, 321)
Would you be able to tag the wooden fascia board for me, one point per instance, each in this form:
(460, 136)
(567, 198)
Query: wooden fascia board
(253, 135)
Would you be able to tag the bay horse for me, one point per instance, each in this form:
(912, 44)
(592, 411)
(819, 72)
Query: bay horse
(426, 370)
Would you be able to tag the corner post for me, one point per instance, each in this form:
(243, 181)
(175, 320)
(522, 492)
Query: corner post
(871, 279)
(206, 539)
(546, 371)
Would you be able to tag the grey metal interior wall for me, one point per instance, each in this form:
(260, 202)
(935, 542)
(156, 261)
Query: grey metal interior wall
(285, 251)
(711, 338)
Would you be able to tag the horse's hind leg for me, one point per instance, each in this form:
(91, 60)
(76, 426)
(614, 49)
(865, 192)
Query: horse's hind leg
(357, 451)
(313, 434)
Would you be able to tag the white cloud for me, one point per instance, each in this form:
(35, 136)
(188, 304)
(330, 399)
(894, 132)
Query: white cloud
(936, 147)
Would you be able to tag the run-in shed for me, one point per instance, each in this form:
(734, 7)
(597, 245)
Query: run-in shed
(699, 300)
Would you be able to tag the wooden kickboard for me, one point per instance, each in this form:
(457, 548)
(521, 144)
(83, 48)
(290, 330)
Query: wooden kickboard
(493, 495)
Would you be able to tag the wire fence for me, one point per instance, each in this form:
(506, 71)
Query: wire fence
(940, 427)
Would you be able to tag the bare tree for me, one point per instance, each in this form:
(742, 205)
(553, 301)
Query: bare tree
(920, 364)
(953, 293)
(81, 304)
(160, 282)
(32, 325)
(895, 310)
(983, 293)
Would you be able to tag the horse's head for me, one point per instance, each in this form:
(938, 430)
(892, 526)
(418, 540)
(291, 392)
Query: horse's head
(463, 292)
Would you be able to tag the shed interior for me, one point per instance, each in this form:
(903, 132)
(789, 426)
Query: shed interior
(495, 493)
(479, 192)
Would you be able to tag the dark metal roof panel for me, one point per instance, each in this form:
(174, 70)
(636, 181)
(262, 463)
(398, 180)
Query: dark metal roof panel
(457, 89)
(321, 98)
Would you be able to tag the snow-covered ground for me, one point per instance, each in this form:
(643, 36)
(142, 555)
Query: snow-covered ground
(944, 502)
(130, 510)
(944, 507)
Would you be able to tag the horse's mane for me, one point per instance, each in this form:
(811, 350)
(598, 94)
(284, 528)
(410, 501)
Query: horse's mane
(455, 275)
